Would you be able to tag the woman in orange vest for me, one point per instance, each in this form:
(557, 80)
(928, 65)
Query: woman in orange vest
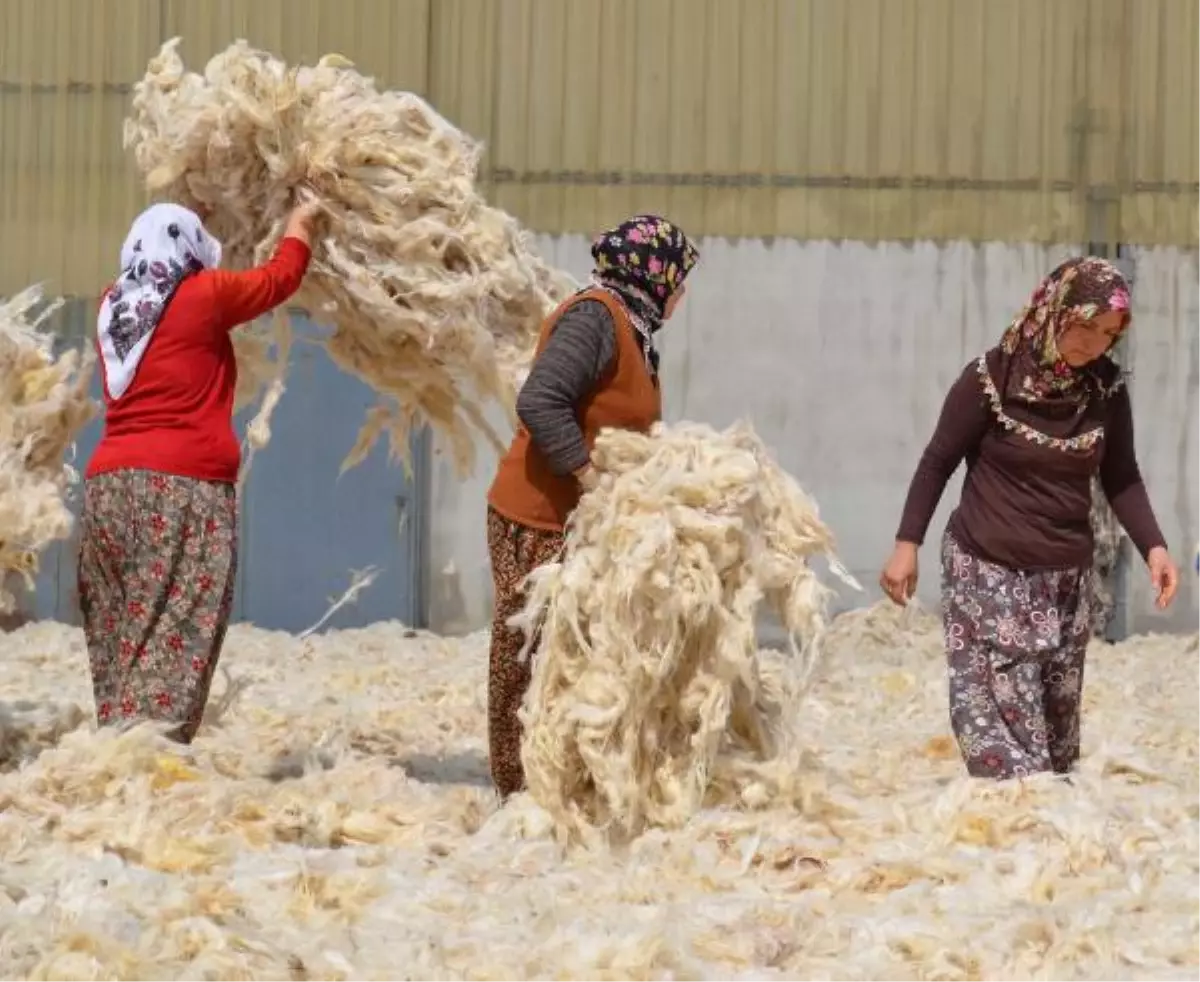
(595, 366)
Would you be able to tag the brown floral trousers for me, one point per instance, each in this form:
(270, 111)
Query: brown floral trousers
(1015, 644)
(515, 550)
(157, 562)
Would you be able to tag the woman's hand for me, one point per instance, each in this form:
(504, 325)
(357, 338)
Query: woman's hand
(299, 223)
(1164, 577)
(588, 477)
(899, 577)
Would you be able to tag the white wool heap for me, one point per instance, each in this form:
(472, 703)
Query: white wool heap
(335, 821)
(44, 403)
(649, 699)
(434, 297)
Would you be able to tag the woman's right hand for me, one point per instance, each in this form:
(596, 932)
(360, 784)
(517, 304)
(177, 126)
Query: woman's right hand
(899, 577)
(299, 223)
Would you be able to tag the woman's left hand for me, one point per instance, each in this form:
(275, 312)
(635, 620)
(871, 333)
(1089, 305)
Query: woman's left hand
(1163, 576)
(588, 477)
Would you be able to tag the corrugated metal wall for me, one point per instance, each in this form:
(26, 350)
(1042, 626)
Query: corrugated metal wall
(1019, 120)
(67, 190)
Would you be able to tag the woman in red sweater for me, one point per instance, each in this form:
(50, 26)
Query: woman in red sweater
(158, 546)
(1035, 418)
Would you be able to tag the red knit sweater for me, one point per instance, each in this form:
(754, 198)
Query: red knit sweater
(177, 416)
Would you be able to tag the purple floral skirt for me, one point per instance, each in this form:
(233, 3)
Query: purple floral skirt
(1016, 643)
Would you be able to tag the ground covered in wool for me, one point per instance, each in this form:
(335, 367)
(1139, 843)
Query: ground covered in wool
(335, 821)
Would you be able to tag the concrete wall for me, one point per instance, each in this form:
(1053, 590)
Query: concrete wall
(840, 355)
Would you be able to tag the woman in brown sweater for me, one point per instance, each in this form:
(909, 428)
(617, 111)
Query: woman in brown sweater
(595, 366)
(1035, 418)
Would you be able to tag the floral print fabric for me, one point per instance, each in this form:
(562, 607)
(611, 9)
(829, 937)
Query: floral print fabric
(644, 260)
(1015, 645)
(515, 550)
(1079, 288)
(157, 562)
(166, 244)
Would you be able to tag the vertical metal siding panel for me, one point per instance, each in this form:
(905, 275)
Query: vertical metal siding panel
(687, 122)
(386, 39)
(930, 109)
(793, 112)
(896, 211)
(756, 109)
(585, 84)
(826, 136)
(860, 111)
(616, 107)
(965, 102)
(1072, 117)
(546, 81)
(1144, 128)
(38, 101)
(655, 87)
(51, 223)
(1106, 86)
(1023, 139)
(10, 156)
(446, 68)
(21, 136)
(1187, 111)
(1175, 102)
(1000, 124)
(462, 70)
(510, 149)
(723, 123)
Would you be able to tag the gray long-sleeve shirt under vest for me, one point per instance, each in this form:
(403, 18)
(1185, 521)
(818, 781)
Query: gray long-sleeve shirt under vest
(578, 352)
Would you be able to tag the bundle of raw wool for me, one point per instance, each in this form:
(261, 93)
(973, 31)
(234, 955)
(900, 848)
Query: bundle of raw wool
(649, 698)
(27, 728)
(434, 297)
(44, 403)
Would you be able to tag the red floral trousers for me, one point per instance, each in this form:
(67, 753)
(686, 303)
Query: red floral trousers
(157, 562)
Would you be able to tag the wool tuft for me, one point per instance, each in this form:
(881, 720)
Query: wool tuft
(433, 297)
(649, 699)
(44, 403)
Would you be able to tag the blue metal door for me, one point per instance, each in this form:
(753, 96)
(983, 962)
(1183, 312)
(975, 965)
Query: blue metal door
(305, 528)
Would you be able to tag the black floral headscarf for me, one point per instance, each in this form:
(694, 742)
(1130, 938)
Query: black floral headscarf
(644, 260)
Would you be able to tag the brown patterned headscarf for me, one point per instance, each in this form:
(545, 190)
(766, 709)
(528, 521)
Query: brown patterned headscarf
(1035, 372)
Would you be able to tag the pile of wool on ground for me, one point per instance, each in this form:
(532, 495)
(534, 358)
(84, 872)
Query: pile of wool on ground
(434, 297)
(44, 403)
(648, 696)
(336, 822)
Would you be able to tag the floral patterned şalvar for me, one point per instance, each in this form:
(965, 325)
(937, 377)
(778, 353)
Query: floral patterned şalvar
(1016, 642)
(515, 550)
(157, 563)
